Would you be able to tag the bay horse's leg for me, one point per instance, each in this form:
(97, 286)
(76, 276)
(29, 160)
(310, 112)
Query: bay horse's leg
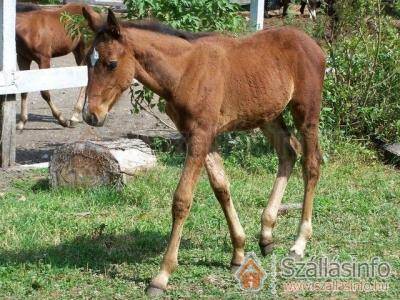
(306, 118)
(303, 6)
(220, 186)
(287, 147)
(285, 7)
(198, 145)
(266, 7)
(44, 63)
(79, 54)
(23, 64)
(78, 107)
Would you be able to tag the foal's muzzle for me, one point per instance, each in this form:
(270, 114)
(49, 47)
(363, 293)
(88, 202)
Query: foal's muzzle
(91, 118)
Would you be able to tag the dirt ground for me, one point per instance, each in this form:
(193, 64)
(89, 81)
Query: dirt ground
(42, 133)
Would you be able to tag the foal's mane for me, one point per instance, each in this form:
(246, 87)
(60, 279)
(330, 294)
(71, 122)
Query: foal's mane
(157, 26)
(26, 7)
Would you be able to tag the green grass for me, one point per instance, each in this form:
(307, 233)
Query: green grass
(53, 244)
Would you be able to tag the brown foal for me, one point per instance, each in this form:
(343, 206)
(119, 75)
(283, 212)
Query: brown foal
(39, 37)
(214, 84)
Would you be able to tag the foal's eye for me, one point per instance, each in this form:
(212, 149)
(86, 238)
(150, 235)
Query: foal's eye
(112, 65)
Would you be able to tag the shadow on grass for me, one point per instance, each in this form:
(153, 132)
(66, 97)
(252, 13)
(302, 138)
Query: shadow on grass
(41, 185)
(96, 252)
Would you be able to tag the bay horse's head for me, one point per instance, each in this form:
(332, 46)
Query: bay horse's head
(111, 67)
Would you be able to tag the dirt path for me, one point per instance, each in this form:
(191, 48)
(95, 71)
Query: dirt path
(42, 133)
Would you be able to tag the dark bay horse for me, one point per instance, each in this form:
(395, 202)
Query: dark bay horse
(39, 37)
(214, 84)
(312, 6)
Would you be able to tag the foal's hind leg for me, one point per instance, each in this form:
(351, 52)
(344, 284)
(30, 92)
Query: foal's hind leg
(306, 120)
(44, 63)
(23, 64)
(220, 186)
(286, 147)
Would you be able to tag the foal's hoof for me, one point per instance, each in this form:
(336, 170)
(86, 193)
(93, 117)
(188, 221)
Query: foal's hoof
(234, 268)
(267, 249)
(153, 291)
(295, 256)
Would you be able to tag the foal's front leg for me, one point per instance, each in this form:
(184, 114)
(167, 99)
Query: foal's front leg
(198, 145)
(220, 186)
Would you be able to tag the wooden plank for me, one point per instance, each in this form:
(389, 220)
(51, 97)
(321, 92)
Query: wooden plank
(8, 64)
(7, 127)
(46, 79)
(257, 14)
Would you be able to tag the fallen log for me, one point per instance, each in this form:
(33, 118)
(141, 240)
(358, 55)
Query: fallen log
(94, 163)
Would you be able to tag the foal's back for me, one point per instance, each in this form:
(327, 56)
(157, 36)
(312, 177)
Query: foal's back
(263, 72)
(40, 32)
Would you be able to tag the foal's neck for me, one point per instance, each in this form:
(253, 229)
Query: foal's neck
(161, 59)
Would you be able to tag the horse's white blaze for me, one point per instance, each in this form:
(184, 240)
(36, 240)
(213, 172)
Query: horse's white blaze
(94, 57)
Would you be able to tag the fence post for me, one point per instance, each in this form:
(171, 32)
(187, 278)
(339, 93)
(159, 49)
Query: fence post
(257, 14)
(8, 66)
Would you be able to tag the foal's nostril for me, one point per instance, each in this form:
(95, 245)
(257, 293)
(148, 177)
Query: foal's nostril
(94, 119)
(90, 119)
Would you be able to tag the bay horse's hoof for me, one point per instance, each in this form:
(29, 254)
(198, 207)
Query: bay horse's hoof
(153, 291)
(267, 249)
(73, 123)
(20, 126)
(64, 123)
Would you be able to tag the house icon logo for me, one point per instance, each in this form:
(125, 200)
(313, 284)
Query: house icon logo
(251, 275)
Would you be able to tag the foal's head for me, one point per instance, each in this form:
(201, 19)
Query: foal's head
(111, 67)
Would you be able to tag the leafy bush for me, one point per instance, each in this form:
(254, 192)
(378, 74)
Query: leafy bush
(362, 83)
(362, 86)
(193, 15)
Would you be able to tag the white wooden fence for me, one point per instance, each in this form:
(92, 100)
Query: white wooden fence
(14, 82)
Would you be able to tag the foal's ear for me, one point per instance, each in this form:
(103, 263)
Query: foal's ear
(94, 19)
(112, 25)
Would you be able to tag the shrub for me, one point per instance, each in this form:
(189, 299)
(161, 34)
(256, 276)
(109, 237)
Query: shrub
(362, 85)
(193, 15)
